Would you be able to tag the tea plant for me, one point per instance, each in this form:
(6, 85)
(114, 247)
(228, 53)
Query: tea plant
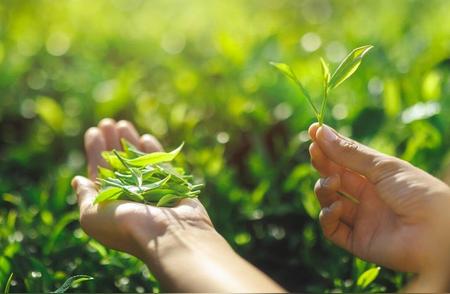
(146, 178)
(345, 69)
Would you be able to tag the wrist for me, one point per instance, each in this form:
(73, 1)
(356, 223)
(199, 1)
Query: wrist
(162, 252)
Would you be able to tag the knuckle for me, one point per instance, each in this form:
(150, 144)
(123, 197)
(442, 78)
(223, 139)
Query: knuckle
(384, 168)
(349, 146)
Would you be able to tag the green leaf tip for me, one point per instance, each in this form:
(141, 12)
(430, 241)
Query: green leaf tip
(287, 71)
(348, 66)
(155, 157)
(367, 277)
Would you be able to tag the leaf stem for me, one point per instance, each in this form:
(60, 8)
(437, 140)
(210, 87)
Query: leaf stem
(324, 104)
(348, 197)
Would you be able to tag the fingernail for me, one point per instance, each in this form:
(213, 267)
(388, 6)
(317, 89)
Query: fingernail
(328, 134)
(324, 182)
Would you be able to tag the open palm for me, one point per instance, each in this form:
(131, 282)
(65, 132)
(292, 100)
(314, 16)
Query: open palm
(123, 225)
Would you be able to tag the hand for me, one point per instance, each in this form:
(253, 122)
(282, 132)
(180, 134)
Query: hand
(179, 244)
(402, 219)
(123, 225)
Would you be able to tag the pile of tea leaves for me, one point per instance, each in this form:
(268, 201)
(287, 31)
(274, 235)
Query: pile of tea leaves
(144, 177)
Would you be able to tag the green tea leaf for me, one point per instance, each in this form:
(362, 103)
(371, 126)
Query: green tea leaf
(169, 200)
(8, 283)
(287, 71)
(104, 172)
(130, 149)
(113, 160)
(367, 277)
(156, 194)
(326, 80)
(154, 158)
(348, 66)
(72, 281)
(325, 73)
(156, 184)
(107, 194)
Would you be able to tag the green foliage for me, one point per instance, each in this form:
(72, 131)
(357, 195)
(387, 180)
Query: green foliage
(145, 178)
(186, 71)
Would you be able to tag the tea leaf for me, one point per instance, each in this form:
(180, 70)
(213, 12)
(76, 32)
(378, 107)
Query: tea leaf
(144, 178)
(113, 160)
(130, 149)
(287, 71)
(367, 277)
(169, 200)
(72, 281)
(325, 73)
(107, 194)
(156, 194)
(156, 184)
(348, 66)
(104, 172)
(154, 158)
(326, 80)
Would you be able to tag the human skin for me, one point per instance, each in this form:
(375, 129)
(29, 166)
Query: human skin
(179, 245)
(403, 216)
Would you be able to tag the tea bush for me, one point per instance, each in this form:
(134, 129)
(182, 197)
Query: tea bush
(198, 72)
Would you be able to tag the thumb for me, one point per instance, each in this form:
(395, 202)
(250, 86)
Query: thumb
(85, 190)
(374, 165)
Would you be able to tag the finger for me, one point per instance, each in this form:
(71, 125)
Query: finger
(333, 228)
(352, 183)
(126, 130)
(94, 144)
(85, 190)
(149, 144)
(108, 128)
(355, 156)
(321, 163)
(312, 130)
(326, 191)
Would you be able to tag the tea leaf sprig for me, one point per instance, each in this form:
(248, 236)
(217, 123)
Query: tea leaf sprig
(346, 68)
(144, 177)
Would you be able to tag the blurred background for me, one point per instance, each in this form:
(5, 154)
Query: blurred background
(197, 71)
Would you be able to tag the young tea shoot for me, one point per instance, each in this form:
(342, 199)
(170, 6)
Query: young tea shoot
(144, 177)
(345, 69)
(330, 81)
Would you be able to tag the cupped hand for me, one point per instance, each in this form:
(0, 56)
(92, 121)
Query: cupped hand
(402, 217)
(131, 227)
